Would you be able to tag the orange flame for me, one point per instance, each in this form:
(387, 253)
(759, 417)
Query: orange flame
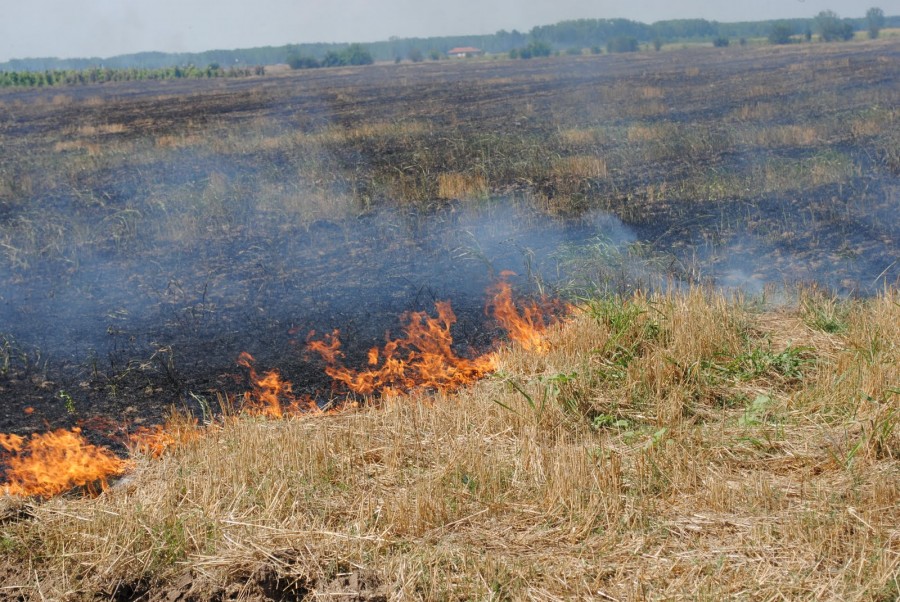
(421, 359)
(50, 463)
(526, 326)
(271, 395)
(157, 440)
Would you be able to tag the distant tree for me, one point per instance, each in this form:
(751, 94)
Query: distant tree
(831, 28)
(622, 44)
(298, 61)
(596, 50)
(539, 48)
(721, 42)
(573, 51)
(356, 54)
(415, 55)
(657, 44)
(874, 21)
(434, 54)
(333, 59)
(536, 48)
(781, 33)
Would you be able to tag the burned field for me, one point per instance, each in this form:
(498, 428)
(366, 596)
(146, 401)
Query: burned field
(151, 233)
(395, 241)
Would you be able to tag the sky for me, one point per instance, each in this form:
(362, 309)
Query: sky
(103, 28)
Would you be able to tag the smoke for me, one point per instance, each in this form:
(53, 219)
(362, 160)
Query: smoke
(138, 276)
(174, 317)
(841, 238)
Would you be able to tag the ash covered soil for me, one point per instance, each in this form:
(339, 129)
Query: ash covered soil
(153, 231)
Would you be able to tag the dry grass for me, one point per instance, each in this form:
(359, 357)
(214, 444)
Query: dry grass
(787, 135)
(93, 149)
(583, 137)
(580, 166)
(762, 111)
(100, 129)
(171, 141)
(787, 174)
(651, 133)
(675, 447)
(462, 186)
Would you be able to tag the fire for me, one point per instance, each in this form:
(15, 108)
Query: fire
(271, 395)
(156, 440)
(526, 326)
(50, 463)
(421, 359)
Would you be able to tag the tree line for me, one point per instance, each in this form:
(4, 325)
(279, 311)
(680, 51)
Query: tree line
(623, 33)
(354, 54)
(70, 77)
(613, 35)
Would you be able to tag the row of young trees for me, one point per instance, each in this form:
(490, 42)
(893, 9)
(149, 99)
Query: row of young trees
(830, 27)
(622, 35)
(70, 77)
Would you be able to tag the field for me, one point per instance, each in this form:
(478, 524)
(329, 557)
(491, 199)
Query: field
(714, 416)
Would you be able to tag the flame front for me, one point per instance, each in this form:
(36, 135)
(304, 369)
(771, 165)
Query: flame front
(47, 464)
(421, 359)
(156, 440)
(271, 395)
(526, 326)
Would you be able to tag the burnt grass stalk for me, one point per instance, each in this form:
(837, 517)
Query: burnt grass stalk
(147, 239)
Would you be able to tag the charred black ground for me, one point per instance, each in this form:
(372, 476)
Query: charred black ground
(152, 232)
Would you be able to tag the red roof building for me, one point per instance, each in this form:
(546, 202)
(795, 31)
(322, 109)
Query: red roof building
(464, 52)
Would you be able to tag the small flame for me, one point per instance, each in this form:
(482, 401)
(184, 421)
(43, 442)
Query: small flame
(272, 396)
(421, 359)
(526, 326)
(156, 440)
(47, 464)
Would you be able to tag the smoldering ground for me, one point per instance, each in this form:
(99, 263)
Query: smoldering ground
(142, 333)
(145, 332)
(149, 234)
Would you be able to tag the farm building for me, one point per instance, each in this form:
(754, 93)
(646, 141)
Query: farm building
(464, 52)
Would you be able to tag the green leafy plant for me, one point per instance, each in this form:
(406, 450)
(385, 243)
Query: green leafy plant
(609, 421)
(553, 389)
(756, 412)
(68, 401)
(758, 362)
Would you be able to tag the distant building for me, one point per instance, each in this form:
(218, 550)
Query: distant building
(464, 52)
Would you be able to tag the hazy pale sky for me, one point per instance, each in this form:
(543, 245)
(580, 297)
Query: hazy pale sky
(87, 28)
